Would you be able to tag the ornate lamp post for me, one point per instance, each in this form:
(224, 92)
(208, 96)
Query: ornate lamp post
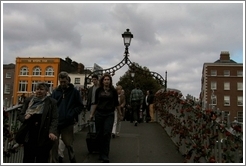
(127, 36)
(87, 79)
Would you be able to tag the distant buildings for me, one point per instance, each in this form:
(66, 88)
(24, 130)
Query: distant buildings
(221, 83)
(222, 86)
(31, 70)
(8, 83)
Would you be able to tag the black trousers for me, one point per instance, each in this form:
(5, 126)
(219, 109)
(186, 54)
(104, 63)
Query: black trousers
(34, 154)
(135, 110)
(147, 117)
(104, 125)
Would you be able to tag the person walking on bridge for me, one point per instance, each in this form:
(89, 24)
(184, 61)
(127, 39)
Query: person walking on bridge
(106, 101)
(136, 102)
(69, 105)
(40, 114)
(151, 105)
(118, 116)
(90, 102)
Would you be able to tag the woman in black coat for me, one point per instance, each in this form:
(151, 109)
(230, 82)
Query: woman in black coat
(41, 115)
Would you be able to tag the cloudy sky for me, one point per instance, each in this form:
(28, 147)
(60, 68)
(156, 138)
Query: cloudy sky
(174, 37)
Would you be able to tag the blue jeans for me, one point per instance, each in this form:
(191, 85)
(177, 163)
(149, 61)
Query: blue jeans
(104, 124)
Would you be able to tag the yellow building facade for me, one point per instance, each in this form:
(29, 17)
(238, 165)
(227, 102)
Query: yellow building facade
(31, 70)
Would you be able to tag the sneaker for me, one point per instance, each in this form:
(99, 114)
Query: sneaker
(113, 135)
(136, 123)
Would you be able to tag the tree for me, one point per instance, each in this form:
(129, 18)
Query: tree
(142, 77)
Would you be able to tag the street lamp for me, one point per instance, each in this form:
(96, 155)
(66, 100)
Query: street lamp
(87, 80)
(132, 75)
(127, 36)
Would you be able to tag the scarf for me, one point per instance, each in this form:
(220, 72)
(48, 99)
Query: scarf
(36, 106)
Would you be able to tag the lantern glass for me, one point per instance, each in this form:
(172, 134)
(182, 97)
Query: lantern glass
(88, 80)
(127, 36)
(132, 74)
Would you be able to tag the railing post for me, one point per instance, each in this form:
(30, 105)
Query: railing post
(228, 120)
(11, 102)
(5, 103)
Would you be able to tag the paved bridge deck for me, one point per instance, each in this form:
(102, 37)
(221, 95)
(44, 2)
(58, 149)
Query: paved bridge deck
(146, 143)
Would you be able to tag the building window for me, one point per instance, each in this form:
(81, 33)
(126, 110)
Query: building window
(240, 116)
(226, 73)
(213, 85)
(51, 84)
(36, 71)
(226, 100)
(34, 84)
(7, 89)
(49, 71)
(226, 85)
(213, 72)
(24, 71)
(77, 81)
(239, 86)
(240, 73)
(8, 75)
(23, 86)
(240, 100)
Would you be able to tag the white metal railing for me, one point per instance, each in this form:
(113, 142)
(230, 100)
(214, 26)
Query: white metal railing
(12, 151)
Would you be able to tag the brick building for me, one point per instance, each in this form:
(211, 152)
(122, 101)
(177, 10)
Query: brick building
(31, 70)
(8, 82)
(222, 86)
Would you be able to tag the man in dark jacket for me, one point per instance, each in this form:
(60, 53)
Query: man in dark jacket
(69, 103)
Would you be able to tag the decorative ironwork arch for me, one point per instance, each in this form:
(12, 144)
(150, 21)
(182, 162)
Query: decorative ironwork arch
(127, 61)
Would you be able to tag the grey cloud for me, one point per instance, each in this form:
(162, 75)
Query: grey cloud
(177, 38)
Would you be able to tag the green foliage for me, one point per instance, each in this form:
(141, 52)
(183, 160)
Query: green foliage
(142, 77)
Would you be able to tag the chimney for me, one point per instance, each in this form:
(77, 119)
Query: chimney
(224, 56)
(68, 60)
(80, 67)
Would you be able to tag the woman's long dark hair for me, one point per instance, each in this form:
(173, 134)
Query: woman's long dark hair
(102, 78)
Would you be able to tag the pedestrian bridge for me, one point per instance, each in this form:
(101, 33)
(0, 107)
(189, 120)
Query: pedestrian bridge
(146, 143)
(182, 132)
